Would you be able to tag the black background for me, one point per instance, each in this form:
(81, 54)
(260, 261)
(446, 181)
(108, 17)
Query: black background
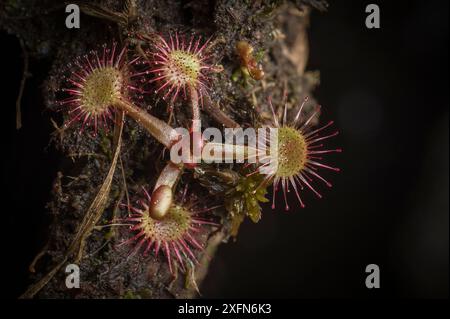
(386, 88)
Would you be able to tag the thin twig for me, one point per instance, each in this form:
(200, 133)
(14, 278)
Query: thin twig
(25, 75)
(217, 114)
(124, 179)
(43, 252)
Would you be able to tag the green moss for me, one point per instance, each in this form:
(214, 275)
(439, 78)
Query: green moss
(244, 200)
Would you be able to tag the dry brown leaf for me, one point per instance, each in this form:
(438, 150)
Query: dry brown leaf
(90, 219)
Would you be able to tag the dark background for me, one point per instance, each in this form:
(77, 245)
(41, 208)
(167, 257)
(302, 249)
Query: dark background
(386, 88)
